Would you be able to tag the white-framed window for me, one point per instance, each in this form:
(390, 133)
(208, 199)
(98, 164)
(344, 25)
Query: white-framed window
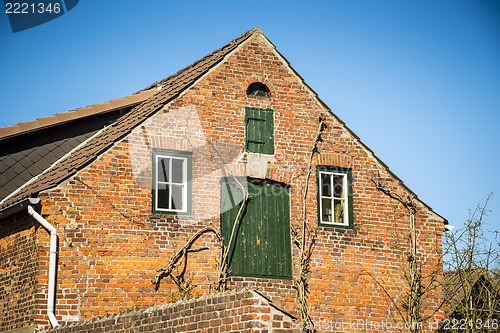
(172, 182)
(334, 197)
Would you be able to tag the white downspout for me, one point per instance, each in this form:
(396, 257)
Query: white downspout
(52, 264)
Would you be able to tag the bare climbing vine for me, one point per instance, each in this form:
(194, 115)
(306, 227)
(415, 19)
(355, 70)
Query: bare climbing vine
(223, 265)
(180, 258)
(304, 238)
(412, 272)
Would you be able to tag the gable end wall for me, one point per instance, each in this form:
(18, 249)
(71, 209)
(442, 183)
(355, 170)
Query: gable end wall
(111, 245)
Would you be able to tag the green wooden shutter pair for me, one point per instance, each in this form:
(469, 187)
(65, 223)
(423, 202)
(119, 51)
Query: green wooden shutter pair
(259, 130)
(261, 245)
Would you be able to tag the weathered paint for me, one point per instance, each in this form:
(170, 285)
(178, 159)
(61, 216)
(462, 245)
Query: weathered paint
(261, 244)
(259, 126)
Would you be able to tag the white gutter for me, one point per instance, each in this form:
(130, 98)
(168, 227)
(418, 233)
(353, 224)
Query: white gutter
(52, 264)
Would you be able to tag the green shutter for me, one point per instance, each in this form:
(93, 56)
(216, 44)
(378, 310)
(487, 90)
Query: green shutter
(262, 245)
(259, 130)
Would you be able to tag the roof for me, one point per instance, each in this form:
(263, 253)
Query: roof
(30, 148)
(456, 282)
(89, 148)
(166, 90)
(63, 117)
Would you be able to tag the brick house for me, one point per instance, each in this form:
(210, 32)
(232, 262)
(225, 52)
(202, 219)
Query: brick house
(122, 185)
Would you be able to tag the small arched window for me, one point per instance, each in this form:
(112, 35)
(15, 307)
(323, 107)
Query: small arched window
(258, 89)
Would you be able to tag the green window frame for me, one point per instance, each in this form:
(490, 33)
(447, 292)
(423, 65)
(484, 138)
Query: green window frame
(172, 182)
(335, 197)
(259, 130)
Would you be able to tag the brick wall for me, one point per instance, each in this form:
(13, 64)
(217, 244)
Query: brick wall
(111, 245)
(231, 311)
(18, 271)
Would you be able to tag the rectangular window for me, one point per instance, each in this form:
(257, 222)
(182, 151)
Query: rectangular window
(259, 130)
(172, 182)
(335, 197)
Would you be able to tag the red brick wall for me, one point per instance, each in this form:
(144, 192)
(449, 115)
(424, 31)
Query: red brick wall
(18, 270)
(111, 245)
(243, 311)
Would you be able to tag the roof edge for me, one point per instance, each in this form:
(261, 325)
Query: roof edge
(64, 117)
(18, 207)
(237, 41)
(161, 93)
(343, 124)
(157, 88)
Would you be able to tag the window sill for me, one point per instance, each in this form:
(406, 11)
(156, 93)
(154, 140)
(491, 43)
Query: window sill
(340, 226)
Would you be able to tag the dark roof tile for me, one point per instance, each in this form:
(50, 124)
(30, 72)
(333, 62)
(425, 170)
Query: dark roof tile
(58, 151)
(50, 156)
(10, 187)
(34, 157)
(9, 160)
(44, 164)
(33, 172)
(75, 141)
(3, 180)
(15, 183)
(12, 172)
(26, 162)
(33, 161)
(66, 145)
(42, 150)
(35, 169)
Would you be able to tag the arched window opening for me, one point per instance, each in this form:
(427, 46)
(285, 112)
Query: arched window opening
(258, 89)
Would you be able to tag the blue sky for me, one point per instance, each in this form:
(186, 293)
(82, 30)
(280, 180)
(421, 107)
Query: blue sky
(417, 81)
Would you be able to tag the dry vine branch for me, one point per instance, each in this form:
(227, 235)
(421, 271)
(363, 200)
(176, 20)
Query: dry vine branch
(305, 245)
(180, 257)
(222, 266)
(301, 284)
(413, 276)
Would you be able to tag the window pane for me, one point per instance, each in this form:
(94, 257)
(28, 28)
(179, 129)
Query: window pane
(326, 210)
(163, 166)
(177, 170)
(177, 196)
(326, 190)
(339, 211)
(162, 196)
(338, 186)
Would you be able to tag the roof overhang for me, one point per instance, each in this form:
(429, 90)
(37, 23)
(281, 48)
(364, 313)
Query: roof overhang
(18, 207)
(64, 117)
